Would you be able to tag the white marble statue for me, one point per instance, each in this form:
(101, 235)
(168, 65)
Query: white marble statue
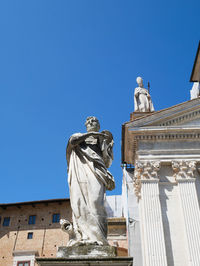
(195, 91)
(142, 98)
(88, 157)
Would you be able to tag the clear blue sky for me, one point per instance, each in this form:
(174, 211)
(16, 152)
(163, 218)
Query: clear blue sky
(61, 61)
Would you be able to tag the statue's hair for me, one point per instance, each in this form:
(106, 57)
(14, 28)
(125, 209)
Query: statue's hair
(90, 117)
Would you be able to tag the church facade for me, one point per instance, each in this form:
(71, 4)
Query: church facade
(164, 147)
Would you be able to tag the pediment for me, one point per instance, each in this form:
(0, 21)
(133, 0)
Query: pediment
(180, 122)
(186, 114)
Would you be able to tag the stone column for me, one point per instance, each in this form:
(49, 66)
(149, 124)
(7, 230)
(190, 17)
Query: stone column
(184, 174)
(146, 187)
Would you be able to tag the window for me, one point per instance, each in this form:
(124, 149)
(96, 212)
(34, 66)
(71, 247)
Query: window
(30, 235)
(56, 218)
(23, 263)
(32, 219)
(23, 258)
(6, 221)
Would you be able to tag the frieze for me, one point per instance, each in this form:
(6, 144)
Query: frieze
(168, 136)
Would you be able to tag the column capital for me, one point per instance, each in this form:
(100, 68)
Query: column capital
(145, 171)
(184, 170)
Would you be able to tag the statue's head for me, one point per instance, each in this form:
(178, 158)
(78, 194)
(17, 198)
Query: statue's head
(92, 124)
(139, 81)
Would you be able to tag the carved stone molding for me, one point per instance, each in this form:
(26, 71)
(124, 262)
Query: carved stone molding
(171, 136)
(145, 170)
(184, 170)
(182, 119)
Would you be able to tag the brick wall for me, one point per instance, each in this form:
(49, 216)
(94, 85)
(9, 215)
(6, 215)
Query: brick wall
(47, 236)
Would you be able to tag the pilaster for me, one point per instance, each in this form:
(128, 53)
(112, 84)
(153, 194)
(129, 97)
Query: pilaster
(184, 175)
(146, 187)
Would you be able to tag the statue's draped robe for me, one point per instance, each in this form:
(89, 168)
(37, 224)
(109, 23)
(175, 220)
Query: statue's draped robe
(88, 179)
(142, 103)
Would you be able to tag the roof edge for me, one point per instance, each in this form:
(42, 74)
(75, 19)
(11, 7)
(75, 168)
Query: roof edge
(33, 202)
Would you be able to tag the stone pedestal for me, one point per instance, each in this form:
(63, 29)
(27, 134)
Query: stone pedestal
(86, 251)
(90, 255)
(135, 115)
(114, 261)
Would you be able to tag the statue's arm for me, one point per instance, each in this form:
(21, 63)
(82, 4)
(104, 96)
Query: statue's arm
(136, 92)
(74, 141)
(77, 138)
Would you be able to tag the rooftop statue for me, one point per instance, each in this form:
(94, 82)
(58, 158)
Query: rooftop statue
(142, 98)
(88, 157)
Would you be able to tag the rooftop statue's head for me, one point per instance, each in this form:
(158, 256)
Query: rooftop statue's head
(92, 124)
(139, 81)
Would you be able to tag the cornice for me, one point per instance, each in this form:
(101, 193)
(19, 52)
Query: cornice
(24, 252)
(181, 119)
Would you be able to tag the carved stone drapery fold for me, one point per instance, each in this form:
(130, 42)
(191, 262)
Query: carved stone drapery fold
(145, 170)
(184, 169)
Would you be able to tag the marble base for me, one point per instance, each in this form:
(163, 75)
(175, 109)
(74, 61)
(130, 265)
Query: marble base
(86, 251)
(114, 261)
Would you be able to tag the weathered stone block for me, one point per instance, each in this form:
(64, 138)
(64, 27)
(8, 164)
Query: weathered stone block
(86, 251)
